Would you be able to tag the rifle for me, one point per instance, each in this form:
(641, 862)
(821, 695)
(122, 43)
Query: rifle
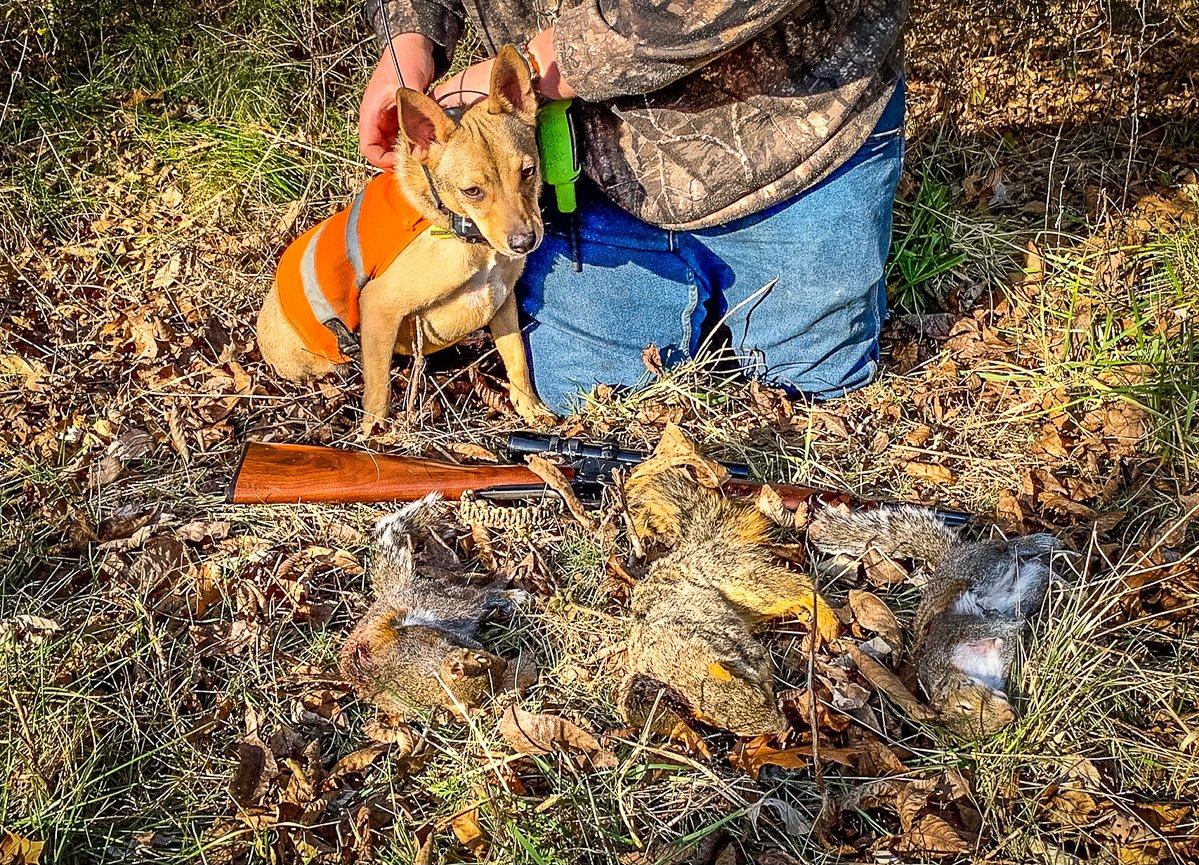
(293, 474)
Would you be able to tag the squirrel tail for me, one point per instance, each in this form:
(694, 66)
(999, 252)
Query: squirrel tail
(670, 506)
(901, 532)
(394, 535)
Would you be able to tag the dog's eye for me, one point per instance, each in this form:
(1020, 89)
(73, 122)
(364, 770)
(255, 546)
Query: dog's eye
(474, 193)
(527, 172)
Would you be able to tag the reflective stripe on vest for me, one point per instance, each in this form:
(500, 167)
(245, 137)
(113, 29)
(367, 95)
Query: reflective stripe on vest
(322, 272)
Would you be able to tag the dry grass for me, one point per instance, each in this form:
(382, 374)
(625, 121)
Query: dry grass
(155, 161)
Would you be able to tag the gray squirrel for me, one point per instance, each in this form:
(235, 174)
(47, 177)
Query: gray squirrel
(972, 610)
(415, 647)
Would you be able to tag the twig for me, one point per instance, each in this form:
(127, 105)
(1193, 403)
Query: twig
(417, 370)
(623, 505)
(813, 637)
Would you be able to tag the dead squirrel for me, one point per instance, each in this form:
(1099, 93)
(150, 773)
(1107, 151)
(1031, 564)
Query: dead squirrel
(691, 639)
(416, 645)
(972, 610)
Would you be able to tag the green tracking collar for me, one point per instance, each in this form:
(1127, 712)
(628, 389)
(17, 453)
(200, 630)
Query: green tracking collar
(559, 152)
(559, 147)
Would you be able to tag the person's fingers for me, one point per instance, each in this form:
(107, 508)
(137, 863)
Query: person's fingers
(378, 155)
(377, 126)
(376, 145)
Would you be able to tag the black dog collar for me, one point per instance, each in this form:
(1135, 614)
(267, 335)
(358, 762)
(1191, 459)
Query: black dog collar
(462, 227)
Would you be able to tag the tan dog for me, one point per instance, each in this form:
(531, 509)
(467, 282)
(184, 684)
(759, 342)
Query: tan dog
(484, 168)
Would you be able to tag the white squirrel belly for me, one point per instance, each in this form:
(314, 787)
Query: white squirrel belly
(984, 664)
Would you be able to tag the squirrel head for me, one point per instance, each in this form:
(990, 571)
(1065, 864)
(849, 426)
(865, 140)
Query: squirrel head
(400, 666)
(738, 698)
(973, 709)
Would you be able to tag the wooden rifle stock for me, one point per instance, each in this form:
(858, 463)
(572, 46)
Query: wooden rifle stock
(313, 474)
(291, 474)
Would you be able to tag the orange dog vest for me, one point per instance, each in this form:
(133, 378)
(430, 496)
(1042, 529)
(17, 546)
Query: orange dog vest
(322, 272)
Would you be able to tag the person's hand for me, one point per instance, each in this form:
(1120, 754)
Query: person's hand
(378, 124)
(473, 83)
(467, 87)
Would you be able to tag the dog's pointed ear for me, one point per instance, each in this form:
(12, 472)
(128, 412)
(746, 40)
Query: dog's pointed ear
(512, 86)
(423, 122)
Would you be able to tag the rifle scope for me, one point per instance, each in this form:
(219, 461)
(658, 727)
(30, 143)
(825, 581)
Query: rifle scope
(522, 443)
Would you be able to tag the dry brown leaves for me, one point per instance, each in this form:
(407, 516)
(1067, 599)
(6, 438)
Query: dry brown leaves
(937, 816)
(470, 833)
(530, 733)
(864, 756)
(1137, 833)
(279, 783)
(17, 850)
(886, 682)
(871, 613)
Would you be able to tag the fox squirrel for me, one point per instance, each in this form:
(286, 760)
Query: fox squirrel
(972, 610)
(416, 645)
(691, 644)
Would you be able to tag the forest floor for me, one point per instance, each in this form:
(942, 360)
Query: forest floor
(168, 679)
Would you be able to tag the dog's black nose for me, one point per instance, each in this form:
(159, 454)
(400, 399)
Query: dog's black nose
(522, 242)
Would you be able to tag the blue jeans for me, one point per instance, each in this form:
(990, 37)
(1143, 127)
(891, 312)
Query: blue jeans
(800, 285)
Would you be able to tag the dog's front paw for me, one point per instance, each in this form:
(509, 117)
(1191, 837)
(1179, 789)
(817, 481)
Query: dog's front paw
(372, 427)
(532, 410)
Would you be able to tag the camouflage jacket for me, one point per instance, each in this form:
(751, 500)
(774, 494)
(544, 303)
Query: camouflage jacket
(698, 112)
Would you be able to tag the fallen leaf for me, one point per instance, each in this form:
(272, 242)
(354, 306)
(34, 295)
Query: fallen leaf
(772, 505)
(471, 833)
(691, 741)
(675, 449)
(21, 632)
(201, 530)
(933, 325)
(167, 274)
(471, 451)
(930, 472)
(888, 683)
(547, 734)
(557, 481)
(872, 757)
(1009, 513)
(171, 197)
(750, 755)
(391, 732)
(651, 356)
(932, 834)
(256, 768)
(872, 613)
(918, 435)
(799, 700)
(15, 365)
(881, 569)
(358, 760)
(175, 432)
(795, 822)
(848, 696)
(424, 851)
(17, 850)
(1072, 808)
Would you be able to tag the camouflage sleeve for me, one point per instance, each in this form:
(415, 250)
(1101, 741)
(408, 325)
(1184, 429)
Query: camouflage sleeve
(610, 48)
(440, 20)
